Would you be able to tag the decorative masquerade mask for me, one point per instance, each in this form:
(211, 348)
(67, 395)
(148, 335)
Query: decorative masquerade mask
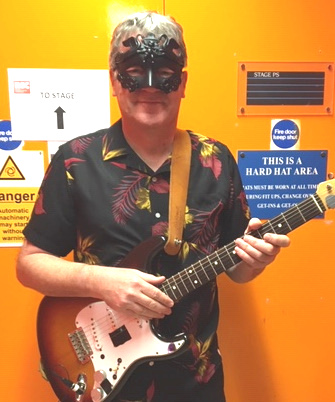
(150, 62)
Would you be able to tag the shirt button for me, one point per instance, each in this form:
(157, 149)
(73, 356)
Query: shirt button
(154, 179)
(157, 215)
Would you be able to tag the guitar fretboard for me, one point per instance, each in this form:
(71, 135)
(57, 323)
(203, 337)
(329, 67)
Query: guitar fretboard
(208, 268)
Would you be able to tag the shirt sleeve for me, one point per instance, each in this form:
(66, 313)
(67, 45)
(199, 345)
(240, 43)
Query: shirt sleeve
(52, 223)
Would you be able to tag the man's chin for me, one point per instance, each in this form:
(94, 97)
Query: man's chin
(150, 119)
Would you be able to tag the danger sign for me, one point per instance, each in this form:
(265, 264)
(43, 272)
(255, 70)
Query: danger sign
(21, 174)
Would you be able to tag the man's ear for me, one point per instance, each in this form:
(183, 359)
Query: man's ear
(184, 77)
(112, 76)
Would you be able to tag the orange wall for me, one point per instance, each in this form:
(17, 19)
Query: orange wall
(276, 333)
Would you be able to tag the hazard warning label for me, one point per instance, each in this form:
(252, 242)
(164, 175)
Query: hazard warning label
(10, 171)
(21, 174)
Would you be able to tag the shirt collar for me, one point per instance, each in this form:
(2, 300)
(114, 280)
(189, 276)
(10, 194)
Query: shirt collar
(116, 148)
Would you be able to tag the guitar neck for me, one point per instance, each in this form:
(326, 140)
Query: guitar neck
(186, 281)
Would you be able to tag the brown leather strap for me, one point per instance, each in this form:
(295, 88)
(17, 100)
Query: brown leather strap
(180, 171)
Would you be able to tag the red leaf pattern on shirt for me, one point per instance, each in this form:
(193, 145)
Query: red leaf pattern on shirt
(39, 209)
(205, 229)
(160, 229)
(79, 145)
(72, 161)
(159, 186)
(212, 162)
(124, 200)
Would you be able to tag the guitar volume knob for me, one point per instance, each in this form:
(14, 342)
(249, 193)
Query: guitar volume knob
(99, 376)
(97, 394)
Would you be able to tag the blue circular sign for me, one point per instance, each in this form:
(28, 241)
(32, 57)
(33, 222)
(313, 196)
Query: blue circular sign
(6, 140)
(285, 134)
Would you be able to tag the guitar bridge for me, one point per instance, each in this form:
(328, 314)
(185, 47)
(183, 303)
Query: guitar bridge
(80, 345)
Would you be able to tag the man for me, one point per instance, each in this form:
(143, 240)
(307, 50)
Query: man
(106, 192)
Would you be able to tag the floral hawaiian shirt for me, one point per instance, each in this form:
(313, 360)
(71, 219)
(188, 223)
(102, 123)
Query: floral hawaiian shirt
(101, 200)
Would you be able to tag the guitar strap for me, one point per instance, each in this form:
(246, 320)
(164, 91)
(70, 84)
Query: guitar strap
(180, 171)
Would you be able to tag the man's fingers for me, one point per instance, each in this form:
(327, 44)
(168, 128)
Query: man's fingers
(151, 290)
(277, 240)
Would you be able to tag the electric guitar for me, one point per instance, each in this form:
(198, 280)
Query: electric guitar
(88, 351)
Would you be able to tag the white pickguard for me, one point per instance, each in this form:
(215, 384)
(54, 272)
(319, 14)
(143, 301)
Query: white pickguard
(118, 342)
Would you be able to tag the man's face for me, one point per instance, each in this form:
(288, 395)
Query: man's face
(149, 105)
(148, 87)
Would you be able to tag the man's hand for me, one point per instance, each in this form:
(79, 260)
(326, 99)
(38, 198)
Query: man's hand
(135, 293)
(256, 253)
(126, 290)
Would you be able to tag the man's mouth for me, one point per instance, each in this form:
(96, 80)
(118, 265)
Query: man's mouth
(149, 100)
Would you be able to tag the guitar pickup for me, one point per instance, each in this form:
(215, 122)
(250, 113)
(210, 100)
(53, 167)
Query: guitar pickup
(80, 345)
(120, 336)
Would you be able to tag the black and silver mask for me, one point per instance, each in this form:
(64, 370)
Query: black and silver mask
(151, 56)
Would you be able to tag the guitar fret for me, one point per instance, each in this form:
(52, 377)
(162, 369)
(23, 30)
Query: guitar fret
(236, 259)
(193, 277)
(182, 282)
(273, 226)
(190, 271)
(301, 214)
(172, 295)
(174, 287)
(228, 253)
(229, 258)
(286, 221)
(260, 232)
(219, 262)
(202, 270)
(296, 219)
(205, 271)
(215, 263)
(166, 288)
(278, 226)
(317, 204)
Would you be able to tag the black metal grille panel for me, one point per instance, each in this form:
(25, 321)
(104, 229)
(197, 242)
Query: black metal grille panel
(285, 88)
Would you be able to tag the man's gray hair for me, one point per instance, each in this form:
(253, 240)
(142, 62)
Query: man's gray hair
(144, 23)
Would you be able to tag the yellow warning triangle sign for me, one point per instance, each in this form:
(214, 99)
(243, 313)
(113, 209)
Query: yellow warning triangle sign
(10, 171)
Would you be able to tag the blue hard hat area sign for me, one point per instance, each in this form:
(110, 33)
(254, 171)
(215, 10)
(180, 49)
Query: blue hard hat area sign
(275, 181)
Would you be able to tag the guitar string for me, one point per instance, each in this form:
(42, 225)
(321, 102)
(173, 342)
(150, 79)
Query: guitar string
(288, 218)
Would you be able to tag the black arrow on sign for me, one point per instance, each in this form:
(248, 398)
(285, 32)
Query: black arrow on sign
(60, 118)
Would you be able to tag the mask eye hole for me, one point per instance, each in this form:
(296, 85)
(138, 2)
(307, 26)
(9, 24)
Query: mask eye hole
(135, 71)
(164, 72)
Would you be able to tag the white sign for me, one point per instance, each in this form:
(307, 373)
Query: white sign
(57, 105)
